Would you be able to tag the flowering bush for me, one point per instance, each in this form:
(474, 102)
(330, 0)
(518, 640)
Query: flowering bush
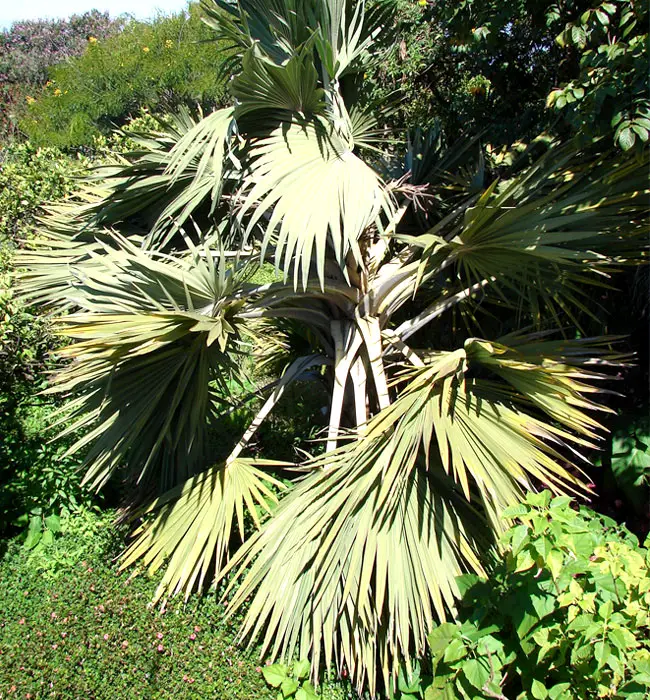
(163, 63)
(29, 48)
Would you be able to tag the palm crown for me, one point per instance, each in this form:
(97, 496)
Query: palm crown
(379, 242)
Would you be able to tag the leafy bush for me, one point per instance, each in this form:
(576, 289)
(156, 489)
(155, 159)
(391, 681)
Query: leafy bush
(590, 62)
(170, 61)
(36, 482)
(443, 72)
(566, 616)
(29, 48)
(29, 177)
(610, 93)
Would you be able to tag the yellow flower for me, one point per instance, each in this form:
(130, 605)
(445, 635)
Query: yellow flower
(57, 92)
(422, 3)
(168, 44)
(29, 99)
(145, 49)
(92, 39)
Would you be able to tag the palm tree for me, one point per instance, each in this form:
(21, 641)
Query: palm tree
(394, 255)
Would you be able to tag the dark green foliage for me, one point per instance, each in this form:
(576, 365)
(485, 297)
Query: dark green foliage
(170, 61)
(610, 93)
(35, 482)
(470, 85)
(37, 479)
(590, 62)
(628, 460)
(511, 70)
(566, 615)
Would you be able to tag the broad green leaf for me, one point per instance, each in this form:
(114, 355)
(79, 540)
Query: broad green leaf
(557, 690)
(555, 562)
(301, 669)
(275, 674)
(441, 636)
(53, 523)
(538, 690)
(515, 511)
(477, 672)
(306, 692)
(289, 687)
(455, 650)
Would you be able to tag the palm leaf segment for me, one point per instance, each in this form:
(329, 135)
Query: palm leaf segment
(424, 446)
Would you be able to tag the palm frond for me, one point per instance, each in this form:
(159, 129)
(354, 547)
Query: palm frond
(291, 87)
(317, 193)
(550, 230)
(368, 561)
(190, 527)
(174, 173)
(153, 350)
(339, 576)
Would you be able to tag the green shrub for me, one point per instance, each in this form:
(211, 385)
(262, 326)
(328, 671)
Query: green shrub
(566, 616)
(163, 63)
(469, 86)
(28, 49)
(36, 482)
(39, 481)
(30, 176)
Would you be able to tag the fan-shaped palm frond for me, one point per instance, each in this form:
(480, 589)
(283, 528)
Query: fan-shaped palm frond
(338, 573)
(194, 522)
(318, 194)
(154, 343)
(384, 524)
(292, 87)
(174, 172)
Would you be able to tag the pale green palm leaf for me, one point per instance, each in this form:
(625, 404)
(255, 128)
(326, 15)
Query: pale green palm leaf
(153, 346)
(317, 194)
(193, 523)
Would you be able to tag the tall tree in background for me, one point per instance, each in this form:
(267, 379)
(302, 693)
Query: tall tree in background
(511, 70)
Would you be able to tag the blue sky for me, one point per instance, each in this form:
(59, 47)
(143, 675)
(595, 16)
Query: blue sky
(11, 11)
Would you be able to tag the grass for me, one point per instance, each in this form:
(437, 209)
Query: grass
(71, 626)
